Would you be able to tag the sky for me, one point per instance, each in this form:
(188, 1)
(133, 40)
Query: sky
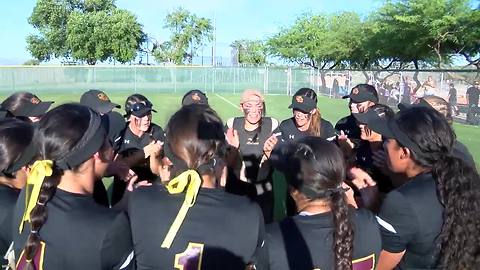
(234, 19)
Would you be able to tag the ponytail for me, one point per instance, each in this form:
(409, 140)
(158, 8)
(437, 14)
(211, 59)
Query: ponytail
(343, 235)
(315, 125)
(458, 186)
(38, 217)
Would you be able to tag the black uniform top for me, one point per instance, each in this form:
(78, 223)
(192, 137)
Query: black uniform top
(129, 143)
(220, 231)
(349, 126)
(461, 151)
(411, 218)
(8, 198)
(289, 131)
(364, 160)
(251, 143)
(473, 95)
(78, 234)
(306, 242)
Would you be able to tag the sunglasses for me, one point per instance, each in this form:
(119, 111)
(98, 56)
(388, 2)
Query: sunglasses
(139, 106)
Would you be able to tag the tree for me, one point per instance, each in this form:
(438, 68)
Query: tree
(251, 52)
(189, 32)
(86, 30)
(320, 41)
(32, 62)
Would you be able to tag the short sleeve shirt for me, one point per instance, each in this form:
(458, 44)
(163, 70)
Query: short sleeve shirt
(306, 242)
(288, 131)
(411, 218)
(220, 231)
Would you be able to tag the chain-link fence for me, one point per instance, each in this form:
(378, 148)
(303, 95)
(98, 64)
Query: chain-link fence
(393, 86)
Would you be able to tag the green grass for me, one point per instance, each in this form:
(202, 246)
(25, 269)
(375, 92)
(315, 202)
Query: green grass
(277, 106)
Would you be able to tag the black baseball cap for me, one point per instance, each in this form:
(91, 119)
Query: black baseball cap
(32, 106)
(372, 119)
(303, 102)
(418, 103)
(391, 130)
(362, 93)
(98, 101)
(194, 96)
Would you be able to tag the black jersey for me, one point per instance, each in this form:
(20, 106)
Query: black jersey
(288, 131)
(251, 143)
(411, 218)
(130, 141)
(8, 198)
(306, 242)
(220, 231)
(349, 126)
(364, 161)
(78, 234)
(129, 144)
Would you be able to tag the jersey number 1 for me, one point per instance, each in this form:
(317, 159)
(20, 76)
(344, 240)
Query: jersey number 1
(191, 258)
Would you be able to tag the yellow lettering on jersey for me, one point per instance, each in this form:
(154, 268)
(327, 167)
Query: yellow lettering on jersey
(191, 258)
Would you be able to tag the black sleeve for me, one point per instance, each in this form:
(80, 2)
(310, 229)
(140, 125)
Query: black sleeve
(327, 130)
(398, 222)
(158, 133)
(260, 258)
(117, 249)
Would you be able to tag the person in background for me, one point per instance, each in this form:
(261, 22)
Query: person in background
(362, 97)
(26, 106)
(194, 96)
(248, 135)
(326, 232)
(57, 223)
(16, 152)
(472, 95)
(137, 142)
(432, 220)
(452, 98)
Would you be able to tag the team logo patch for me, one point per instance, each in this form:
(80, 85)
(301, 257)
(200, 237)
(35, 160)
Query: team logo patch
(299, 99)
(355, 91)
(196, 97)
(34, 100)
(103, 97)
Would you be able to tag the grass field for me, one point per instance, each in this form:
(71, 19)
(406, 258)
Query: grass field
(227, 106)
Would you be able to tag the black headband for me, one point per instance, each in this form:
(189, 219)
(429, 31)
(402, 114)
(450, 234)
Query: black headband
(24, 159)
(91, 141)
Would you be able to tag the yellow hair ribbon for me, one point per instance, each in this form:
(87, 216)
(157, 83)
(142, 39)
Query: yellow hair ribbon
(176, 186)
(38, 172)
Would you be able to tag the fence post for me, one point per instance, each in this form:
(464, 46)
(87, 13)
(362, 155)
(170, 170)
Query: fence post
(175, 79)
(135, 78)
(234, 79)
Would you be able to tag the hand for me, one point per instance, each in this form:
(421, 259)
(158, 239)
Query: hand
(345, 143)
(360, 178)
(269, 145)
(152, 148)
(232, 138)
(132, 185)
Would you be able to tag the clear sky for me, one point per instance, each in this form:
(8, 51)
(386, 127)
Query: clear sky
(251, 19)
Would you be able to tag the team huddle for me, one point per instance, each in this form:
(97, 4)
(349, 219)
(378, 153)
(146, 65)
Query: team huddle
(378, 190)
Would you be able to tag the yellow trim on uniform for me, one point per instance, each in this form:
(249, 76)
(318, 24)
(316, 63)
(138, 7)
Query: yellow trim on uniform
(40, 169)
(372, 256)
(191, 181)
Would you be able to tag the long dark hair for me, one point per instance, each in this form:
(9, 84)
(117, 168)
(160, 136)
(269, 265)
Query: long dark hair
(458, 185)
(58, 133)
(15, 136)
(316, 118)
(320, 176)
(195, 136)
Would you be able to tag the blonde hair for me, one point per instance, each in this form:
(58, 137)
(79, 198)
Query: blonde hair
(441, 106)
